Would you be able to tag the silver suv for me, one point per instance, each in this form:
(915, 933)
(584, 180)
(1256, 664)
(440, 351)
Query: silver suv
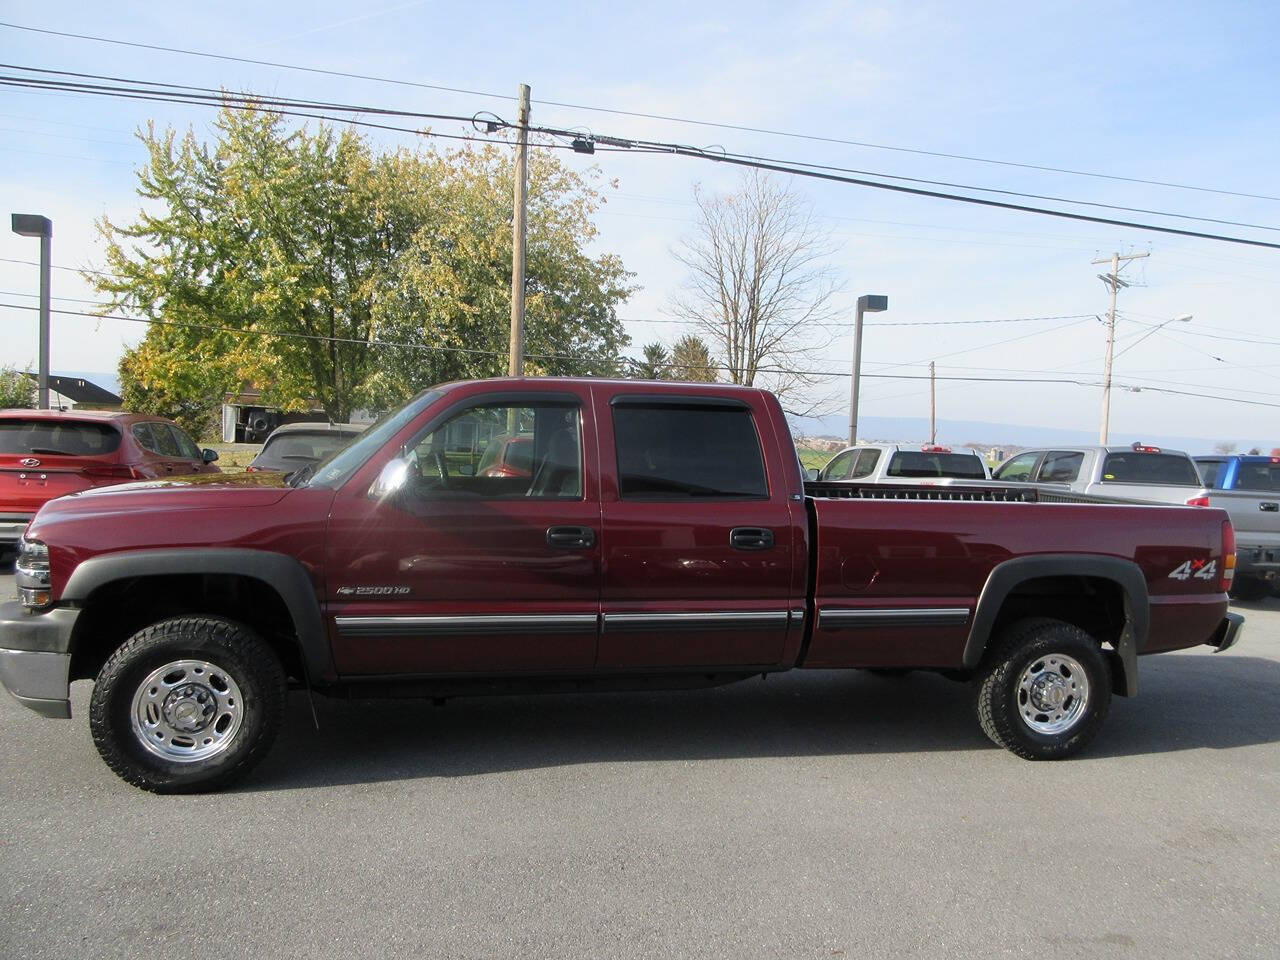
(905, 463)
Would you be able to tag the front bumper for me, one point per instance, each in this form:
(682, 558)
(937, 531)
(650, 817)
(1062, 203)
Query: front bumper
(1228, 633)
(35, 657)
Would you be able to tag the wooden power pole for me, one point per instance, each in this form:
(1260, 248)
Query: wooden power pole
(515, 363)
(1114, 283)
(933, 432)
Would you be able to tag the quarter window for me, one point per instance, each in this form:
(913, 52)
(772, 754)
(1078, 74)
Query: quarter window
(498, 451)
(693, 451)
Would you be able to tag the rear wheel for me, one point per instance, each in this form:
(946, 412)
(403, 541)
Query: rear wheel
(1044, 691)
(187, 705)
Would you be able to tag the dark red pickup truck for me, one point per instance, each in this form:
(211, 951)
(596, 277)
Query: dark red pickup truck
(663, 536)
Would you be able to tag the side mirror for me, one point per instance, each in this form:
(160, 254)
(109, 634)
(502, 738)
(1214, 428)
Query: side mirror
(209, 455)
(392, 478)
(811, 473)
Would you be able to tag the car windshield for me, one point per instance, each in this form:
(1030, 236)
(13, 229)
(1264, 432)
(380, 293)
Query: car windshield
(334, 471)
(72, 438)
(909, 463)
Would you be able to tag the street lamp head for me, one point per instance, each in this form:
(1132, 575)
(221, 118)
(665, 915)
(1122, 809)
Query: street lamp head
(873, 303)
(32, 225)
(1183, 318)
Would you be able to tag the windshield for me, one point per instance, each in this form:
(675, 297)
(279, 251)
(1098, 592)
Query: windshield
(334, 471)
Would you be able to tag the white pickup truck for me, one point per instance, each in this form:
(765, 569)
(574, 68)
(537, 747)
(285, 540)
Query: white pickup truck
(904, 463)
(1248, 488)
(1138, 473)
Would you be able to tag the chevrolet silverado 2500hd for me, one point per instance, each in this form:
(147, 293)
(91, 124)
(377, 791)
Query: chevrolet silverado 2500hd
(662, 536)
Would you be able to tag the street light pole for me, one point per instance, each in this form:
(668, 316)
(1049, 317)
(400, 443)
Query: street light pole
(867, 303)
(31, 225)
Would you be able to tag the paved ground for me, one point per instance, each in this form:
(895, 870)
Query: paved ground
(812, 815)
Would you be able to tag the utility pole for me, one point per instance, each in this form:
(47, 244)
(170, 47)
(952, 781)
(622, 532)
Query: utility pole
(868, 303)
(1114, 283)
(933, 433)
(515, 363)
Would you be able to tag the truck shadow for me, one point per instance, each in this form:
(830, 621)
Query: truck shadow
(1185, 703)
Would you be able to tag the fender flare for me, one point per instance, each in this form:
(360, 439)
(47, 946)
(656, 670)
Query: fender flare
(280, 572)
(1126, 574)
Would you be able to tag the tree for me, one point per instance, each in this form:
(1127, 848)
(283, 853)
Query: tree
(759, 287)
(327, 276)
(691, 360)
(1254, 451)
(653, 364)
(1225, 446)
(16, 389)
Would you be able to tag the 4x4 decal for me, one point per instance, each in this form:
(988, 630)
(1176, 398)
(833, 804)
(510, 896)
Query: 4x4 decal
(1200, 569)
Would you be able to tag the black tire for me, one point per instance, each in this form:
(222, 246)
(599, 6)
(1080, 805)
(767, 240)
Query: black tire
(1012, 720)
(1250, 588)
(240, 661)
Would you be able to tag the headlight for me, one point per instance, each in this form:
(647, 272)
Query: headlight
(31, 573)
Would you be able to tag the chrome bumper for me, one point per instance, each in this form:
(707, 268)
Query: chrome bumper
(1228, 633)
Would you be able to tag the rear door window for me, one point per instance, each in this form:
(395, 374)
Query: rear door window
(186, 446)
(694, 451)
(71, 438)
(154, 438)
(1061, 466)
(1160, 468)
(866, 465)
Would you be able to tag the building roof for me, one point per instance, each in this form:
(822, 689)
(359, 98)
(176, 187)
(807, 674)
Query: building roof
(80, 390)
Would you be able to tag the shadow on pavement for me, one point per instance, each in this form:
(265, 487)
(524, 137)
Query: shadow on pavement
(1185, 702)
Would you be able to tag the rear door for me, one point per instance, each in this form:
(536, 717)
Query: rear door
(703, 547)
(462, 573)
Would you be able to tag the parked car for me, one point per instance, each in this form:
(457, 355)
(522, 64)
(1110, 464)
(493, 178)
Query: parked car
(295, 445)
(904, 463)
(1138, 473)
(49, 453)
(507, 456)
(1248, 488)
(665, 538)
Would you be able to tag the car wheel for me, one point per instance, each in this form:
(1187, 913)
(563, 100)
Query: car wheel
(1044, 691)
(187, 705)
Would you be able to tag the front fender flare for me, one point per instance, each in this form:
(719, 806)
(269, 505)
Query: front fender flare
(1006, 576)
(282, 573)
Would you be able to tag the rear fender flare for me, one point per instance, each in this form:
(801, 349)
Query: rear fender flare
(1006, 577)
(282, 573)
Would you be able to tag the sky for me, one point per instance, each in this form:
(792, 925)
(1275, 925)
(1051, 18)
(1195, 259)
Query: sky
(1174, 92)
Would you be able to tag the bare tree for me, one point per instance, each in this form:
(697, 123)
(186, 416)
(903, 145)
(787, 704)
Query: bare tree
(1225, 446)
(759, 286)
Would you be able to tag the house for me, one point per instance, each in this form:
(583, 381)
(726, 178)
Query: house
(77, 393)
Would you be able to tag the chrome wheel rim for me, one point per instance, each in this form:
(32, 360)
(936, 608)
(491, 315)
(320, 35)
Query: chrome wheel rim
(1053, 694)
(187, 710)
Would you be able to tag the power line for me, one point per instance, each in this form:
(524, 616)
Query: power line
(642, 115)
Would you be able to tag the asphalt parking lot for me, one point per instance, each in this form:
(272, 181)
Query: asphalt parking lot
(813, 815)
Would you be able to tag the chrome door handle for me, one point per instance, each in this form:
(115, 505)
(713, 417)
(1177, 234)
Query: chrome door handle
(1268, 506)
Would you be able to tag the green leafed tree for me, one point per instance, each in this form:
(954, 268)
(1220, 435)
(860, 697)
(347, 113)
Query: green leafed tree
(301, 262)
(691, 360)
(653, 363)
(16, 389)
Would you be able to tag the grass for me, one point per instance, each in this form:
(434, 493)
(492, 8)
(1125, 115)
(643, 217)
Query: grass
(234, 457)
(815, 458)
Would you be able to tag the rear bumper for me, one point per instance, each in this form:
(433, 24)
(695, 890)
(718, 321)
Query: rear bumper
(1228, 633)
(11, 527)
(35, 657)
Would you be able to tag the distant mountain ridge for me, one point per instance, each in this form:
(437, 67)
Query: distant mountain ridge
(988, 434)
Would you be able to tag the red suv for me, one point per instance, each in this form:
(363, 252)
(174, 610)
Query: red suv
(49, 453)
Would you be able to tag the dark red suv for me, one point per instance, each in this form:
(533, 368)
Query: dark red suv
(49, 453)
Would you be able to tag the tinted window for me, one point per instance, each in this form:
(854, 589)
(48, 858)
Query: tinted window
(1061, 467)
(69, 437)
(156, 438)
(1134, 467)
(866, 465)
(687, 452)
(186, 447)
(910, 463)
(838, 469)
(1259, 476)
(500, 451)
(1209, 471)
(1018, 469)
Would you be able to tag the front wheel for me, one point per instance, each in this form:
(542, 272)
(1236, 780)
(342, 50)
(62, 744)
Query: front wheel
(1044, 691)
(187, 705)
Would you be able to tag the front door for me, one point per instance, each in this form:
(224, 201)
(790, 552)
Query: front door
(487, 560)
